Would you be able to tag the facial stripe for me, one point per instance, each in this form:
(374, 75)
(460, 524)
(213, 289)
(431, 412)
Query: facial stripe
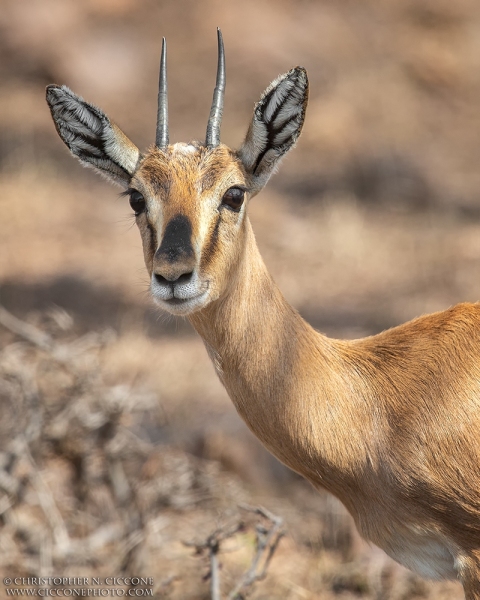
(153, 239)
(211, 245)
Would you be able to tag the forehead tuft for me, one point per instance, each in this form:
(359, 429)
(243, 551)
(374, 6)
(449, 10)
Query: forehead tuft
(182, 148)
(192, 164)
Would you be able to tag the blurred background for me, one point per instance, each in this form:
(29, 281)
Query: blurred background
(117, 441)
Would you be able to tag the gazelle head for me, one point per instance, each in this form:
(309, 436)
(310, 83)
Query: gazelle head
(189, 200)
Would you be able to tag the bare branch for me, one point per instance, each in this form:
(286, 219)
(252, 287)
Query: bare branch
(41, 339)
(25, 330)
(49, 506)
(267, 539)
(214, 572)
(267, 542)
(212, 544)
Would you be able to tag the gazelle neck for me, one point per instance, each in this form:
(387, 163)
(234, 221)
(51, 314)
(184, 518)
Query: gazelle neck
(267, 356)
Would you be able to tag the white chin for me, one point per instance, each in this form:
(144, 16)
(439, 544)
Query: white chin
(180, 307)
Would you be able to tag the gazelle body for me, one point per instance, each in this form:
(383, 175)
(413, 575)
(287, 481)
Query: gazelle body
(389, 424)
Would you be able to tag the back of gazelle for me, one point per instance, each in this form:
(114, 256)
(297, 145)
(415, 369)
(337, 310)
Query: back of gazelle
(389, 424)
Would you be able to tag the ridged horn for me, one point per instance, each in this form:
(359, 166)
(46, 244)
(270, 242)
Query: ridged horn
(215, 119)
(161, 138)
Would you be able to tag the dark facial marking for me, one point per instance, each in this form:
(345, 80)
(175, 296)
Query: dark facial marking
(209, 251)
(177, 240)
(153, 239)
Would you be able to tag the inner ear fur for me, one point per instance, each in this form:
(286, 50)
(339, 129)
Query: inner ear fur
(276, 125)
(91, 136)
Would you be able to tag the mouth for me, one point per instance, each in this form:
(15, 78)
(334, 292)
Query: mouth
(180, 306)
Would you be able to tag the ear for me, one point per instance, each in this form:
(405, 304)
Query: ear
(275, 127)
(91, 136)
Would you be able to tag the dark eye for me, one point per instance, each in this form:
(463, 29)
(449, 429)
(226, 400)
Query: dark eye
(137, 202)
(233, 198)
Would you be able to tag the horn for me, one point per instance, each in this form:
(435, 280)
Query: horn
(161, 138)
(215, 119)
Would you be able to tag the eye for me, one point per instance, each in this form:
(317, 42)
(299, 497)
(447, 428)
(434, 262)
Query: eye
(233, 198)
(137, 202)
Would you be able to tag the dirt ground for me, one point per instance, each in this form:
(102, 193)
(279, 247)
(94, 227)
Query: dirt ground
(117, 441)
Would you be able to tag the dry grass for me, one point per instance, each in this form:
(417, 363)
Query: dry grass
(84, 492)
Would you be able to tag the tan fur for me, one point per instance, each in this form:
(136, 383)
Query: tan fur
(390, 424)
(175, 179)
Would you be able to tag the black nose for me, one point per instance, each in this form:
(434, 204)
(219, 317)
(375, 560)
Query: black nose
(173, 278)
(177, 241)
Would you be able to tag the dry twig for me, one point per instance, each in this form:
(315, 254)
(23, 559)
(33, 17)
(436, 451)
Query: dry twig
(212, 545)
(267, 540)
(25, 330)
(61, 414)
(41, 339)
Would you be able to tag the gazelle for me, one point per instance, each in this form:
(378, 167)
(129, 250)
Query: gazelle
(390, 424)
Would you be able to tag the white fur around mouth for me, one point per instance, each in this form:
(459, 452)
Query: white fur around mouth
(179, 306)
